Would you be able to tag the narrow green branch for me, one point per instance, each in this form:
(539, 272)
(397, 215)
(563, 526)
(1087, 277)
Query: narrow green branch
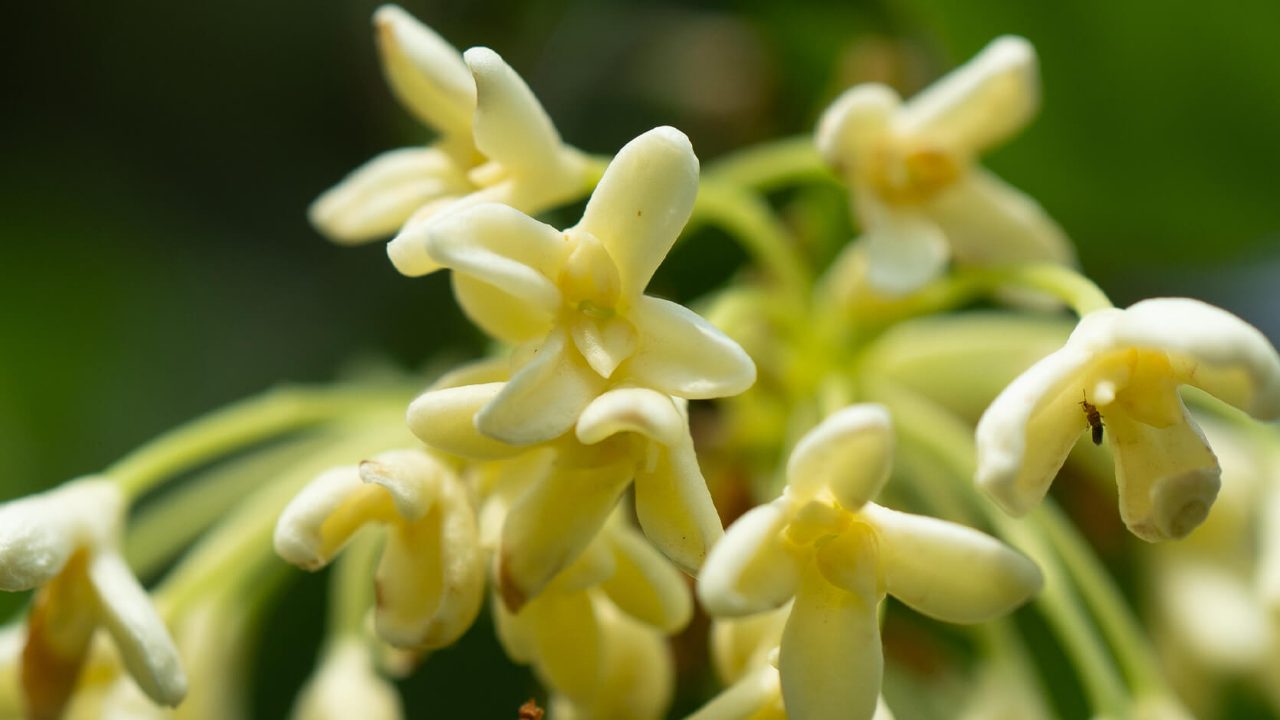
(234, 427)
(749, 220)
(1061, 282)
(772, 165)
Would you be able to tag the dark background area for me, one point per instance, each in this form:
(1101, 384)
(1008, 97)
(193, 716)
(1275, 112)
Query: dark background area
(158, 158)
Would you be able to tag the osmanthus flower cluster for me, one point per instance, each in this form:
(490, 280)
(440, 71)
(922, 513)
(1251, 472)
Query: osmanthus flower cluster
(556, 484)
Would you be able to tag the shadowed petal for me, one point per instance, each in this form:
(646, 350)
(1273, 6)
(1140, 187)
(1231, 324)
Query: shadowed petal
(544, 399)
(638, 410)
(905, 251)
(645, 585)
(511, 127)
(445, 420)
(499, 313)
(751, 569)
(854, 123)
(831, 661)
(425, 72)
(675, 508)
(139, 634)
(988, 222)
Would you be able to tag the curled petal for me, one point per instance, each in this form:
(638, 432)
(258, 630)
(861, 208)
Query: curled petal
(850, 453)
(905, 251)
(445, 420)
(1024, 436)
(411, 477)
(321, 518)
(854, 123)
(642, 203)
(751, 569)
(674, 506)
(139, 634)
(604, 343)
(425, 72)
(981, 103)
(431, 575)
(59, 629)
(379, 197)
(679, 353)
(1168, 477)
(645, 585)
(503, 247)
(511, 127)
(544, 399)
(988, 222)
(831, 661)
(637, 410)
(948, 571)
(1209, 348)
(551, 524)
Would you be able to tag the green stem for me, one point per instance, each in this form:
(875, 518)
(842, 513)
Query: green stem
(245, 537)
(162, 528)
(1077, 291)
(772, 165)
(749, 220)
(1136, 656)
(231, 428)
(351, 585)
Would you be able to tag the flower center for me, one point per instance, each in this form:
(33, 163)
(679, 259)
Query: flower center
(589, 278)
(910, 175)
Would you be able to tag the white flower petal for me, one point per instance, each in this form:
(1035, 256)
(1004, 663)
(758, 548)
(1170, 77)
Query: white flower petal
(499, 313)
(853, 124)
(979, 104)
(644, 584)
(139, 634)
(751, 569)
(412, 478)
(905, 251)
(739, 645)
(1210, 348)
(347, 686)
(325, 514)
(550, 525)
(510, 126)
(642, 203)
(989, 222)
(1213, 613)
(638, 410)
(431, 576)
(674, 506)
(948, 571)
(425, 72)
(445, 420)
(39, 533)
(1024, 436)
(379, 197)
(503, 247)
(1168, 477)
(544, 399)
(850, 453)
(831, 661)
(604, 343)
(637, 670)
(681, 354)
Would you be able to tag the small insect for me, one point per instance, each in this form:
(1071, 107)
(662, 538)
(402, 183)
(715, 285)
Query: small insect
(1093, 417)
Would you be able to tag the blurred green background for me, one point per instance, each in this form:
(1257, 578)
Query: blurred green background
(159, 157)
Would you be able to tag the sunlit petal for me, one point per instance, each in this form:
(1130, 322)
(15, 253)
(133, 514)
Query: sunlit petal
(681, 354)
(445, 420)
(988, 222)
(751, 569)
(425, 72)
(544, 399)
(510, 126)
(674, 506)
(139, 634)
(644, 584)
(638, 410)
(850, 453)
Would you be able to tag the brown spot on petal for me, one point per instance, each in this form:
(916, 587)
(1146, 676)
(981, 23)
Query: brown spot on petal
(59, 628)
(512, 596)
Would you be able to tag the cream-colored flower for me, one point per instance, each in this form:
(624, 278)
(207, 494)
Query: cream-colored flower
(496, 144)
(913, 177)
(574, 301)
(837, 554)
(431, 575)
(346, 685)
(66, 543)
(624, 435)
(596, 635)
(1127, 365)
